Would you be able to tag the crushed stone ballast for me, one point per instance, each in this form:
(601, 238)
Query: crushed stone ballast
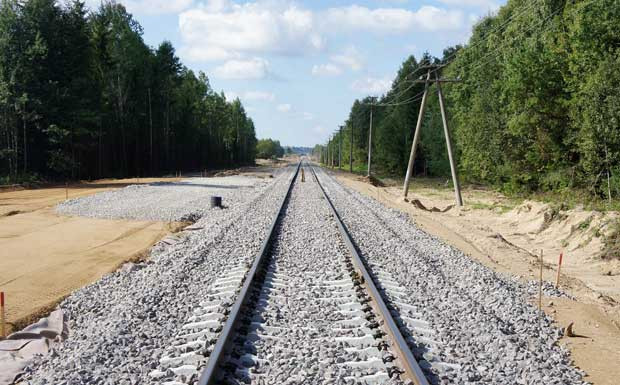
(306, 309)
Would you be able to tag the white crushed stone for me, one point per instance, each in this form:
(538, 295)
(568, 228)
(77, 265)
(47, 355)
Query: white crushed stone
(120, 325)
(186, 200)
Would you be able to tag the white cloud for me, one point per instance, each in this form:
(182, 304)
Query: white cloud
(350, 58)
(373, 86)
(485, 4)
(150, 7)
(284, 107)
(255, 68)
(217, 5)
(223, 30)
(328, 69)
(230, 95)
(393, 20)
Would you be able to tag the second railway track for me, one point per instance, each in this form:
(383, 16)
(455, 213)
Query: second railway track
(306, 311)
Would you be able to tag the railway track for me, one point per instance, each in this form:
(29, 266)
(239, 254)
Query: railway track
(306, 311)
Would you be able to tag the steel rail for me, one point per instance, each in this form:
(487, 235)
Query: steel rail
(406, 358)
(220, 349)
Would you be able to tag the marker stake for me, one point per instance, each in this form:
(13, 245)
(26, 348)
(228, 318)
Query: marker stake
(2, 319)
(557, 279)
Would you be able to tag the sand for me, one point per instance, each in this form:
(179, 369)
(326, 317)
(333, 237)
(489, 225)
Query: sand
(45, 256)
(508, 238)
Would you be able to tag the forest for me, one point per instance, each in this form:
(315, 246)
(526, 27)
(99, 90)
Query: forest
(536, 106)
(82, 96)
(269, 148)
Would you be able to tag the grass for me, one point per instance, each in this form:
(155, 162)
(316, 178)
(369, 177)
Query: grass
(21, 179)
(584, 225)
(502, 208)
(572, 198)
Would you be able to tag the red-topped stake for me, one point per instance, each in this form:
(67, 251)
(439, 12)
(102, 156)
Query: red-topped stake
(2, 327)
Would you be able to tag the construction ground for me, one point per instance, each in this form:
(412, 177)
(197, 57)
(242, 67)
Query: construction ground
(508, 237)
(46, 256)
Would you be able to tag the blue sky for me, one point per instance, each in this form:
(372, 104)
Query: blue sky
(297, 66)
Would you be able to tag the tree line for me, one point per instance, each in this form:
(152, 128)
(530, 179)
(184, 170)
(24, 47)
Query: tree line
(82, 96)
(537, 107)
(269, 149)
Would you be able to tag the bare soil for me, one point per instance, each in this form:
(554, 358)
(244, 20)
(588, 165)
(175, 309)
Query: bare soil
(508, 237)
(45, 256)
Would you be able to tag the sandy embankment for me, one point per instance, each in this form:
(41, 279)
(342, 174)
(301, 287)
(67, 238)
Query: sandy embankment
(509, 239)
(45, 256)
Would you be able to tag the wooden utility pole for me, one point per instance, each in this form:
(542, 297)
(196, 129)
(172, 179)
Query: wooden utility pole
(370, 141)
(455, 179)
(351, 151)
(150, 132)
(327, 154)
(416, 135)
(340, 149)
(332, 153)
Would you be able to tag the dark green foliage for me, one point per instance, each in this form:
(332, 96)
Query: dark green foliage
(537, 108)
(269, 149)
(82, 96)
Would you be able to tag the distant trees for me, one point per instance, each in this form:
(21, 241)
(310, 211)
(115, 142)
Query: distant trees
(537, 108)
(268, 148)
(82, 95)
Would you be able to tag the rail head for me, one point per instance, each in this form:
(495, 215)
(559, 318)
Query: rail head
(406, 358)
(208, 375)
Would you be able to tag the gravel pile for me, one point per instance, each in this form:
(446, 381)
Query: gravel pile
(120, 325)
(187, 200)
(482, 321)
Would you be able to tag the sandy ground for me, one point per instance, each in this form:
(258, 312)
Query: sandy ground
(45, 256)
(508, 238)
(21, 201)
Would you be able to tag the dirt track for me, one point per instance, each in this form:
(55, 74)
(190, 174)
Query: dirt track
(45, 256)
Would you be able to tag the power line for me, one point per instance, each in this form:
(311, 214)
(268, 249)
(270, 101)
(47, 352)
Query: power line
(494, 55)
(490, 56)
(508, 20)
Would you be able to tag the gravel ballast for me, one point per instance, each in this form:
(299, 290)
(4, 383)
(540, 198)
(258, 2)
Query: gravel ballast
(186, 200)
(120, 325)
(309, 324)
(465, 323)
(483, 321)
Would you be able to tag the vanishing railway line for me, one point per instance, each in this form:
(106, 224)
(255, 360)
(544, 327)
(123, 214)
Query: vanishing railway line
(272, 291)
(306, 310)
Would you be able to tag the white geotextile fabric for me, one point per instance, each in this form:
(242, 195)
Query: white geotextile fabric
(19, 348)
